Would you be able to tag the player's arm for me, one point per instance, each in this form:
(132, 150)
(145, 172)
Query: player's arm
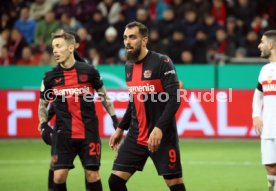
(170, 84)
(116, 138)
(97, 83)
(257, 108)
(45, 93)
(108, 105)
(42, 112)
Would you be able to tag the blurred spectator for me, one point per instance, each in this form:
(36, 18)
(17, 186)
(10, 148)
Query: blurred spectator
(223, 45)
(267, 8)
(189, 26)
(110, 47)
(210, 27)
(232, 30)
(5, 58)
(69, 23)
(40, 8)
(167, 24)
(176, 45)
(156, 9)
(201, 7)
(94, 57)
(63, 6)
(155, 43)
(143, 17)
(27, 57)
(201, 47)
(179, 7)
(16, 45)
(244, 11)
(84, 9)
(46, 58)
(186, 57)
(12, 8)
(130, 8)
(251, 44)
(44, 30)
(6, 21)
(4, 38)
(259, 24)
(26, 25)
(240, 53)
(110, 9)
(219, 11)
(120, 26)
(96, 26)
(85, 42)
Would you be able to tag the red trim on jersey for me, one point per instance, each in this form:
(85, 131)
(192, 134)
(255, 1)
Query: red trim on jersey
(268, 93)
(140, 108)
(269, 82)
(73, 102)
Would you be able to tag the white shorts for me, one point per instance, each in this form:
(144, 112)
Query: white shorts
(268, 149)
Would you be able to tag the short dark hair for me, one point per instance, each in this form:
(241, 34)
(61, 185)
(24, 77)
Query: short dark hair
(77, 38)
(271, 34)
(61, 34)
(143, 30)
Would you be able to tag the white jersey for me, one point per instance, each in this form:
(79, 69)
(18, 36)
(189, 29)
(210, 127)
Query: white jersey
(267, 80)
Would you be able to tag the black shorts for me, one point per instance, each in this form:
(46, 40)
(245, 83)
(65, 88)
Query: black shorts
(133, 156)
(65, 150)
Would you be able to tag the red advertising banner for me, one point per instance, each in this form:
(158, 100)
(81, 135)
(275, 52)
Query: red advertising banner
(202, 113)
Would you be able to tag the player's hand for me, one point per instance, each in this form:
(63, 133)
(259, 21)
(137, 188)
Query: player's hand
(155, 139)
(116, 138)
(47, 133)
(40, 126)
(258, 125)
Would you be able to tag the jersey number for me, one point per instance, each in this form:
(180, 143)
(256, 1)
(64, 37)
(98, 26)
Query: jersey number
(95, 149)
(172, 155)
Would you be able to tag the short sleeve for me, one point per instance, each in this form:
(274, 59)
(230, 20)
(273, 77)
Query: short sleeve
(46, 92)
(96, 79)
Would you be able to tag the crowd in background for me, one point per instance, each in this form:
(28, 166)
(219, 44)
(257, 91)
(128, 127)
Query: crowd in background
(189, 31)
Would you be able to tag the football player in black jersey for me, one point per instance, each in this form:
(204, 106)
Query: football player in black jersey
(150, 116)
(71, 86)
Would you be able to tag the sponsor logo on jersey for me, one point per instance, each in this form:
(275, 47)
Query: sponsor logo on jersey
(147, 73)
(169, 72)
(72, 91)
(145, 88)
(269, 87)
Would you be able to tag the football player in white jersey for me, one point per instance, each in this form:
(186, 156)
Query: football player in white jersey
(264, 107)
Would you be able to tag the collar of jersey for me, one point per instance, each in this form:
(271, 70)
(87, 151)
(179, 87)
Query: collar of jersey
(141, 61)
(66, 69)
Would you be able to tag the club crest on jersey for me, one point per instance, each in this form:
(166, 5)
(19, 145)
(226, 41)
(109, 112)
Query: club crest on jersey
(83, 77)
(147, 73)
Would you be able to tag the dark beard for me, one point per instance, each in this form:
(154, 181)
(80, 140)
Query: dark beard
(265, 55)
(133, 56)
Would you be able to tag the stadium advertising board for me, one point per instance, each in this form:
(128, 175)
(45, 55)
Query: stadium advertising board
(202, 113)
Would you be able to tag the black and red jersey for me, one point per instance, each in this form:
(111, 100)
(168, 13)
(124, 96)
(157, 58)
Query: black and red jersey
(153, 87)
(72, 93)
